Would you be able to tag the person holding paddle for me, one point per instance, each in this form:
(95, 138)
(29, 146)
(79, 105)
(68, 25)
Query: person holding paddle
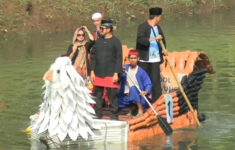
(151, 55)
(79, 49)
(129, 95)
(141, 86)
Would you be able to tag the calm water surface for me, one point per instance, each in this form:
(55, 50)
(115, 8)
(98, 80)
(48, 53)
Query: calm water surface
(24, 59)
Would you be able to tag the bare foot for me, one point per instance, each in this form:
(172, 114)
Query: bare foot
(139, 114)
(129, 114)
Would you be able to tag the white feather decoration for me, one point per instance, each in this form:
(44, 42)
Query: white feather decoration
(74, 122)
(61, 134)
(73, 134)
(53, 124)
(66, 109)
(45, 122)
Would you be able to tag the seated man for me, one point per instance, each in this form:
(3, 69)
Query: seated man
(129, 94)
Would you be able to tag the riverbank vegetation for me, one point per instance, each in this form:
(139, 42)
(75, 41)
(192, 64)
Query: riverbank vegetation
(53, 15)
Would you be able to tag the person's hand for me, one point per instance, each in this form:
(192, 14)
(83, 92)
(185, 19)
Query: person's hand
(92, 76)
(115, 78)
(165, 52)
(85, 28)
(152, 39)
(76, 44)
(159, 37)
(143, 93)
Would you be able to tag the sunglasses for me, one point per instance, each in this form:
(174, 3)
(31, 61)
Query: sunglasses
(102, 28)
(80, 34)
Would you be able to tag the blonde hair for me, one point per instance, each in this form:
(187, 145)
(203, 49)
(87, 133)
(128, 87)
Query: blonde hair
(75, 34)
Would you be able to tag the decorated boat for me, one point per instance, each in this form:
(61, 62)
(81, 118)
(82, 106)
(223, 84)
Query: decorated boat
(68, 119)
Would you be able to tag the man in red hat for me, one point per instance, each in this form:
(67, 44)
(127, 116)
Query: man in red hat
(129, 94)
(106, 66)
(147, 44)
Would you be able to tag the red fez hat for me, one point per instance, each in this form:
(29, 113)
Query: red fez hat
(133, 52)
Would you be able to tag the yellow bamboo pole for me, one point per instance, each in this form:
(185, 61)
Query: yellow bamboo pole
(180, 86)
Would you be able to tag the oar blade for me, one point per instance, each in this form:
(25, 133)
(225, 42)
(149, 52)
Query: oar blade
(164, 125)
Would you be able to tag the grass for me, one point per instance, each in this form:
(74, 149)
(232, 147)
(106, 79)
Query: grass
(73, 11)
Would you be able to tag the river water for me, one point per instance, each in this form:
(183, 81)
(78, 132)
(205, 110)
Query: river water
(25, 57)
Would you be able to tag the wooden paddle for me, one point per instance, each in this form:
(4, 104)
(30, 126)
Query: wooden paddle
(180, 86)
(162, 121)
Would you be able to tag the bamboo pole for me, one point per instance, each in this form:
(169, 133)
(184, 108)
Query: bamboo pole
(180, 86)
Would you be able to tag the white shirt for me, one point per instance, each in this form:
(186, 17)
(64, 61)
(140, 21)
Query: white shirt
(129, 82)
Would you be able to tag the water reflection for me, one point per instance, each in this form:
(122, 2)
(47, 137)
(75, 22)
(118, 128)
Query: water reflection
(180, 140)
(37, 145)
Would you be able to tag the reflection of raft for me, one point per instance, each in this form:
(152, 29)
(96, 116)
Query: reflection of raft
(191, 68)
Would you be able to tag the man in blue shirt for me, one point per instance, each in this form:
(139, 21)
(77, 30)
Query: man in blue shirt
(128, 94)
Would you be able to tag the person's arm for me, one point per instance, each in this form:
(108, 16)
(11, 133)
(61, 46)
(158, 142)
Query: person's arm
(93, 57)
(89, 45)
(162, 34)
(147, 82)
(93, 63)
(88, 33)
(118, 59)
(164, 42)
(141, 35)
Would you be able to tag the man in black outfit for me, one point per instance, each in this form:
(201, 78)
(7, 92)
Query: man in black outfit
(106, 65)
(149, 48)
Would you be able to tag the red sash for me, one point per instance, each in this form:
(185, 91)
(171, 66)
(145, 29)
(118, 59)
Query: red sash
(105, 82)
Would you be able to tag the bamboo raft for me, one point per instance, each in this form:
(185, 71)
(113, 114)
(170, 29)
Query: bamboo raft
(191, 68)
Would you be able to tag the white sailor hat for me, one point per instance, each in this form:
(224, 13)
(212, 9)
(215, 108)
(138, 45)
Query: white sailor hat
(96, 15)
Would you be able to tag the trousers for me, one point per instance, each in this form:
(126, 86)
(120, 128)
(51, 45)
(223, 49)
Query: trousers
(153, 70)
(112, 95)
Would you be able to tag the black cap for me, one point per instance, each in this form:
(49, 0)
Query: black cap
(155, 11)
(107, 23)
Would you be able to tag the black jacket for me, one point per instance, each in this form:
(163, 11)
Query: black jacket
(106, 57)
(142, 41)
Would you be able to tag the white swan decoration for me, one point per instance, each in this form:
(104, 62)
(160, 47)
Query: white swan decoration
(66, 109)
